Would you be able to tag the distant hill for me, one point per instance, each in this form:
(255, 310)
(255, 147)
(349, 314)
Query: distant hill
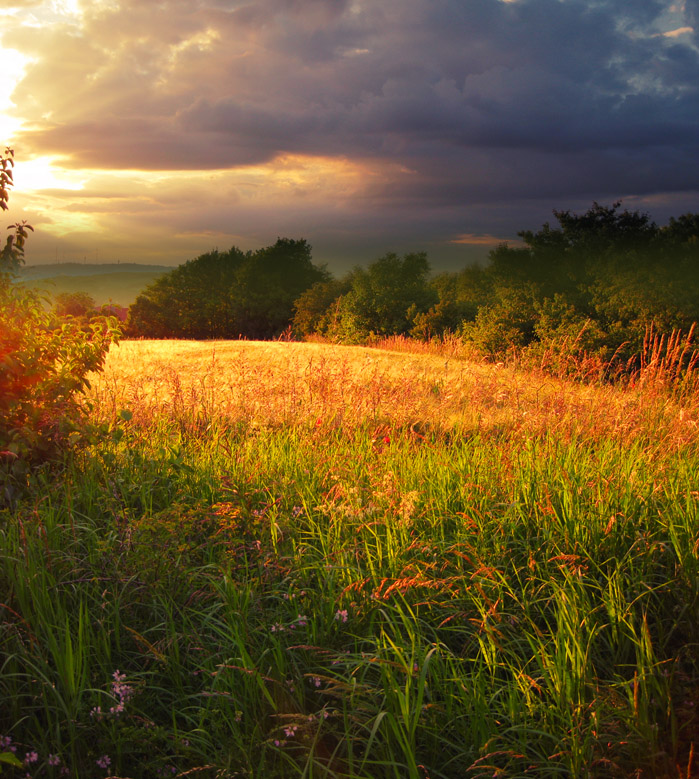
(121, 287)
(54, 269)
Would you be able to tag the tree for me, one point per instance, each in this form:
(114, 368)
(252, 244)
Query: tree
(228, 294)
(385, 298)
(75, 304)
(316, 309)
(610, 271)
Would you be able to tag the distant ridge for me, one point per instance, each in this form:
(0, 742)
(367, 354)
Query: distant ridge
(108, 283)
(30, 272)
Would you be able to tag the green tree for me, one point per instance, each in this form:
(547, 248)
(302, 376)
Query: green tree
(228, 294)
(385, 298)
(75, 304)
(316, 310)
(192, 301)
(609, 271)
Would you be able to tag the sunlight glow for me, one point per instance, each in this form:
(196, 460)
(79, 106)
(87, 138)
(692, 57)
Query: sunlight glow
(471, 239)
(66, 8)
(12, 66)
(679, 31)
(42, 173)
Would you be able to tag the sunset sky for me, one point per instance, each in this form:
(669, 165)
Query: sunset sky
(155, 130)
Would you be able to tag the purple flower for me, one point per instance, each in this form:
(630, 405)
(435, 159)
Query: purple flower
(341, 615)
(31, 757)
(54, 760)
(104, 761)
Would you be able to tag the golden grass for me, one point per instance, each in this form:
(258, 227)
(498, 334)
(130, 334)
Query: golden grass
(273, 383)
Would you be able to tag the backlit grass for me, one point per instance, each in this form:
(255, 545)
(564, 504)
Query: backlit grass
(304, 560)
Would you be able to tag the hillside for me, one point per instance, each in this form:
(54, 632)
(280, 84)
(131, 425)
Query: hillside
(309, 560)
(121, 287)
(54, 269)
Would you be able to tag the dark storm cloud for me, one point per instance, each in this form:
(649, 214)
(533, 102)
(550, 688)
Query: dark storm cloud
(451, 101)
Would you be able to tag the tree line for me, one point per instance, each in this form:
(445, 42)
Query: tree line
(595, 281)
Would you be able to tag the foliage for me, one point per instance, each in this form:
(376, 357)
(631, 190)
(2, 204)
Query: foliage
(384, 298)
(44, 364)
(610, 273)
(316, 310)
(75, 304)
(231, 294)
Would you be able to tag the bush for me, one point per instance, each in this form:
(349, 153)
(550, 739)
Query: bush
(44, 364)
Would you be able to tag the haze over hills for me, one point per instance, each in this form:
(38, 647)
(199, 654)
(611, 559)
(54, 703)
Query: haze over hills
(119, 283)
(51, 270)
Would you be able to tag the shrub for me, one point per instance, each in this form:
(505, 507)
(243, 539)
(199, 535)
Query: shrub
(44, 363)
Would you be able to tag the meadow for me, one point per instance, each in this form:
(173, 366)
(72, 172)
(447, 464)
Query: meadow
(306, 560)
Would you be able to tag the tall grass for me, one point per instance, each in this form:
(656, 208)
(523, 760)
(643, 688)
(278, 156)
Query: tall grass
(298, 560)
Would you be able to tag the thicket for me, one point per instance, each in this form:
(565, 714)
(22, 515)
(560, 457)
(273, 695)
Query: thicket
(231, 294)
(599, 285)
(595, 284)
(44, 363)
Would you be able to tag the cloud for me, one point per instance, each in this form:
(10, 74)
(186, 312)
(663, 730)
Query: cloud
(469, 239)
(437, 106)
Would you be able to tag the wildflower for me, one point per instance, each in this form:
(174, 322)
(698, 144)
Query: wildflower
(387, 439)
(104, 761)
(302, 620)
(341, 615)
(54, 760)
(315, 680)
(96, 712)
(31, 757)
(296, 511)
(290, 731)
(238, 716)
(120, 689)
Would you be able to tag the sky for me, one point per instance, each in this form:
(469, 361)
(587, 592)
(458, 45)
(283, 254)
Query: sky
(156, 131)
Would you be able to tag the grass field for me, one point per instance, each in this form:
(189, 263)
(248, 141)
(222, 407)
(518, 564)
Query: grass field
(302, 560)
